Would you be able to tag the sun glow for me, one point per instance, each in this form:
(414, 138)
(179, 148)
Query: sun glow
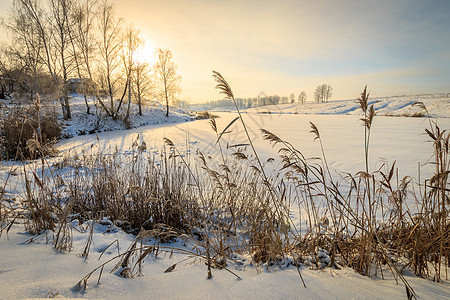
(146, 53)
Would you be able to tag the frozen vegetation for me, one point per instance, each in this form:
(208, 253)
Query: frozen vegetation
(211, 215)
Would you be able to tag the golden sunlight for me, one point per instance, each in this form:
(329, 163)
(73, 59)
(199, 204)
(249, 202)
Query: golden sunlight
(146, 53)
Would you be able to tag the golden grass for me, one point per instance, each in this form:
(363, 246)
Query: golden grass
(232, 207)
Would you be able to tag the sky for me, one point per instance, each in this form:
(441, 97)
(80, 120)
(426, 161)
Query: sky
(396, 47)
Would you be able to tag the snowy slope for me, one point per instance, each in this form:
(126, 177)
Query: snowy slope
(152, 113)
(437, 105)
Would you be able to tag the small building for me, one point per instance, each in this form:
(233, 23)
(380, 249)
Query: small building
(80, 85)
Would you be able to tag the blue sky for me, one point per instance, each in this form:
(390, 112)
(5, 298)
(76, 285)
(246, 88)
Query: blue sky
(282, 47)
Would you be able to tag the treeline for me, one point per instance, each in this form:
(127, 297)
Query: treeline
(253, 101)
(52, 42)
(322, 94)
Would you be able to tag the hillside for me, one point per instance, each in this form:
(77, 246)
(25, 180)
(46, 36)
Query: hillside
(437, 105)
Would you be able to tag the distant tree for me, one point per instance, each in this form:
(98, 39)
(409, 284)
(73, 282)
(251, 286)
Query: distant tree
(318, 94)
(276, 99)
(328, 92)
(323, 93)
(248, 102)
(167, 79)
(302, 97)
(284, 100)
(292, 98)
(184, 104)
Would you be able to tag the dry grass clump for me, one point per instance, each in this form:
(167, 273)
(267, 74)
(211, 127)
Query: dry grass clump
(204, 115)
(29, 133)
(418, 114)
(228, 207)
(416, 110)
(136, 192)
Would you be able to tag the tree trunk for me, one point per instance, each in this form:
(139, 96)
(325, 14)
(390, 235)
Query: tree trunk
(63, 108)
(167, 97)
(110, 93)
(139, 99)
(88, 109)
(123, 96)
(167, 104)
(65, 101)
(129, 100)
(140, 106)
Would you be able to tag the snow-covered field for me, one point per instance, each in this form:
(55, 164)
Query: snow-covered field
(35, 270)
(393, 139)
(437, 105)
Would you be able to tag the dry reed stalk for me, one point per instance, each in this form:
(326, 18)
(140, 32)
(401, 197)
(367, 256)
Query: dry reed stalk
(232, 206)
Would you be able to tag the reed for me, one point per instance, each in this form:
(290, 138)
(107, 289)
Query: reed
(225, 208)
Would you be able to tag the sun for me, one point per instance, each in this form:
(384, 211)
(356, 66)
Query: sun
(146, 53)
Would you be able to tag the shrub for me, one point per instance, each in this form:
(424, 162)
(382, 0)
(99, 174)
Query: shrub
(21, 126)
(205, 115)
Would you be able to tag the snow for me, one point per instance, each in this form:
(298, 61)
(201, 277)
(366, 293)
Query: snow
(35, 270)
(152, 114)
(393, 139)
(437, 105)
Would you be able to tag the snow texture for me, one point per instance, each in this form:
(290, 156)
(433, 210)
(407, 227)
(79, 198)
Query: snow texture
(35, 270)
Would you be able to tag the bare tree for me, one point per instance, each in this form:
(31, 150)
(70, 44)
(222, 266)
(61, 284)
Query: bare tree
(110, 47)
(32, 10)
(32, 41)
(24, 51)
(323, 93)
(132, 41)
(318, 94)
(292, 97)
(142, 84)
(328, 91)
(87, 42)
(60, 11)
(5, 73)
(81, 38)
(302, 97)
(166, 76)
(56, 39)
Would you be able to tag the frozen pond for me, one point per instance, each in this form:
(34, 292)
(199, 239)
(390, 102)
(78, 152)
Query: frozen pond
(398, 139)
